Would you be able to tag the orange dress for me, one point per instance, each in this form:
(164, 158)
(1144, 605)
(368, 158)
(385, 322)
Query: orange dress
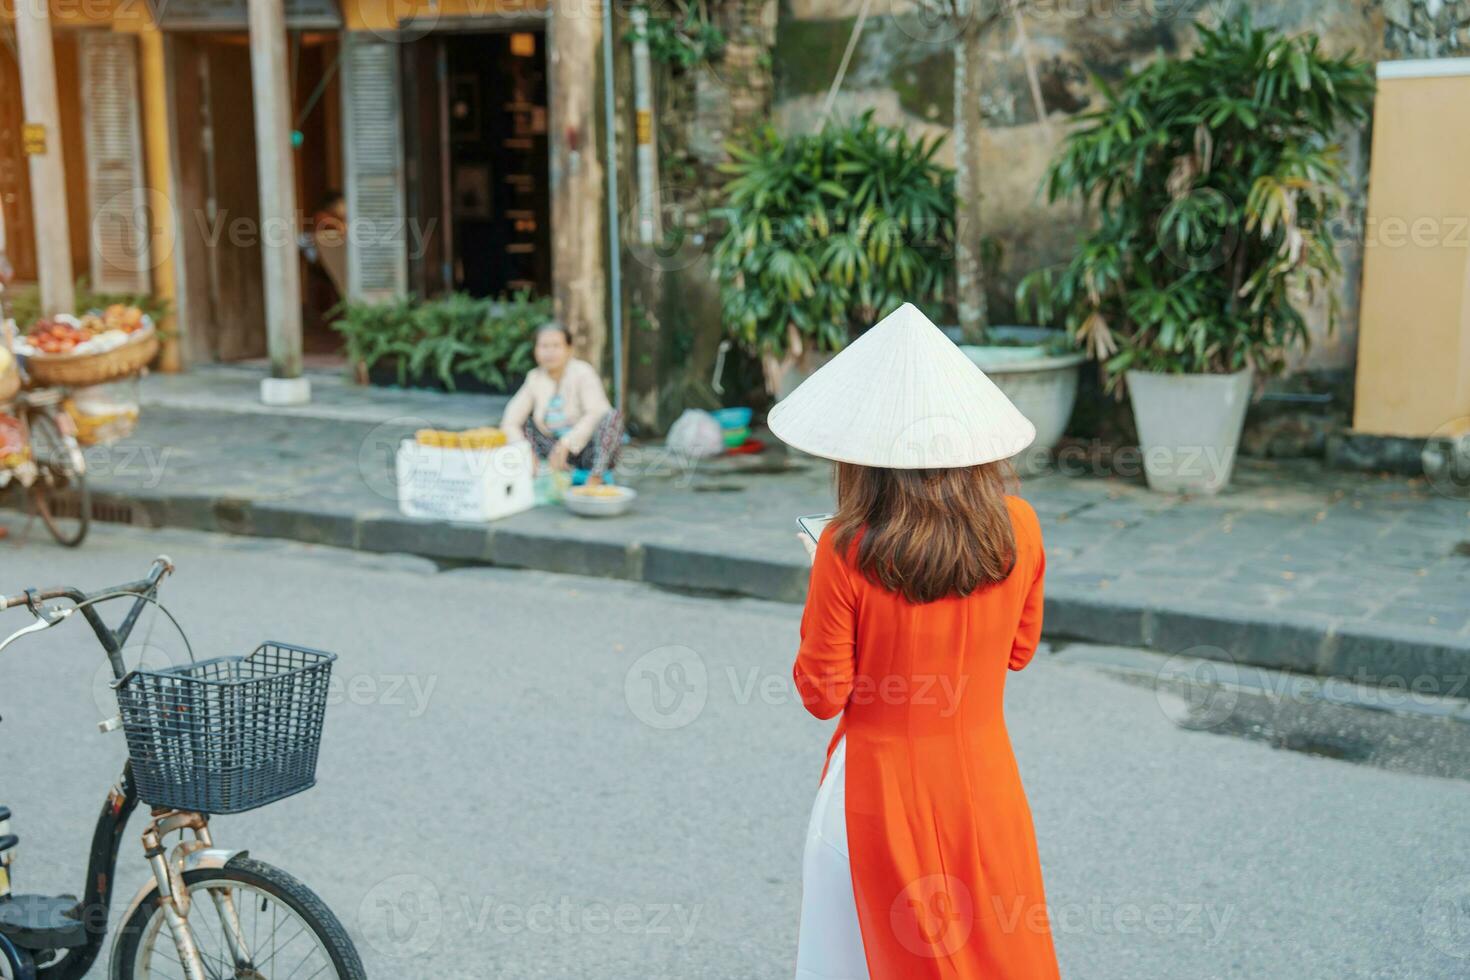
(945, 872)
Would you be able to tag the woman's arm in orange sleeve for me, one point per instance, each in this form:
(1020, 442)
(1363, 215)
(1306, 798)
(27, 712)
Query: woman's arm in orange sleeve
(825, 663)
(1028, 632)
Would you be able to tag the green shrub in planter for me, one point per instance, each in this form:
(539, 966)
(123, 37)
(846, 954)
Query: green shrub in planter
(1215, 178)
(828, 232)
(449, 338)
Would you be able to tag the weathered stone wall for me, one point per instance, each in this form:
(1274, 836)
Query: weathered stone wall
(671, 299)
(1426, 28)
(902, 68)
(779, 63)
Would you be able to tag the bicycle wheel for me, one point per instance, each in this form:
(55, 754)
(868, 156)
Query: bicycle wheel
(59, 496)
(286, 930)
(15, 964)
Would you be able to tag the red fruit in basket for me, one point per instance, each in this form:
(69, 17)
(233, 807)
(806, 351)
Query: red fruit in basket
(54, 337)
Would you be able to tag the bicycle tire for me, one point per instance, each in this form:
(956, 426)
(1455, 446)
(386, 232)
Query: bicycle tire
(74, 478)
(15, 964)
(301, 900)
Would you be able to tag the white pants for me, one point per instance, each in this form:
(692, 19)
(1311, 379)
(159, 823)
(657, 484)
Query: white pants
(830, 945)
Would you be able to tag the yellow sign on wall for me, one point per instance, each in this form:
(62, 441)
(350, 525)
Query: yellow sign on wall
(33, 139)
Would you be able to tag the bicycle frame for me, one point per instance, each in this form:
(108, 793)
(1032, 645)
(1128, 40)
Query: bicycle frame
(188, 855)
(167, 868)
(101, 865)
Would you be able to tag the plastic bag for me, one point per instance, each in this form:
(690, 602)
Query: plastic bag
(15, 452)
(104, 413)
(696, 434)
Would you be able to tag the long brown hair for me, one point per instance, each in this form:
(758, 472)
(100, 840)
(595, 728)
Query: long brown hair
(927, 534)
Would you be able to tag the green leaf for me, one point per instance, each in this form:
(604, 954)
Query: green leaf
(1201, 276)
(823, 231)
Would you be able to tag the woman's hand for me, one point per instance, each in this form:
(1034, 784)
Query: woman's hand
(558, 458)
(809, 545)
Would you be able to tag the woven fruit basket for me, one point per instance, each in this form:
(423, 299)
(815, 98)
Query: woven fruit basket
(82, 370)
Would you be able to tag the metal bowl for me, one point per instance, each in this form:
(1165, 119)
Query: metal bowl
(584, 504)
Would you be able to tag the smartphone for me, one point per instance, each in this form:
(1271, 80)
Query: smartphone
(812, 526)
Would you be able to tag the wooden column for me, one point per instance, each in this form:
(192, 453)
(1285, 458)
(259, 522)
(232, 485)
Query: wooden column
(578, 197)
(276, 172)
(43, 145)
(162, 206)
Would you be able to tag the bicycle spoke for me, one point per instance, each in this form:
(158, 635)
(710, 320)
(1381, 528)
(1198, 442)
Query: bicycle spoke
(276, 949)
(283, 946)
(313, 976)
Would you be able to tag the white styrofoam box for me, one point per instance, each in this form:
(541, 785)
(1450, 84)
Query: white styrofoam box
(464, 484)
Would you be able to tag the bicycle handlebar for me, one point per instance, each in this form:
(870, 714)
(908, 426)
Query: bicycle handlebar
(112, 640)
(162, 566)
(41, 595)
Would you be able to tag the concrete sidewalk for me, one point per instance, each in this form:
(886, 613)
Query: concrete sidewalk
(1294, 567)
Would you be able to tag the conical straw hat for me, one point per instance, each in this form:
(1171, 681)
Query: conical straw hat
(902, 396)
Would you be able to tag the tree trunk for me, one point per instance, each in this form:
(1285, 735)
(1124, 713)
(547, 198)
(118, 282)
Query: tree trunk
(968, 122)
(578, 192)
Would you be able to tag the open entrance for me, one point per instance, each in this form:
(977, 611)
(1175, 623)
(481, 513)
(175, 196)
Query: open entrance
(478, 163)
(219, 190)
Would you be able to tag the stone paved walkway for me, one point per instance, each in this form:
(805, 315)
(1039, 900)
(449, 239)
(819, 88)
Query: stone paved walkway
(225, 388)
(1293, 566)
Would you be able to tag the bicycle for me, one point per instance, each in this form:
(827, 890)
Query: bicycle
(55, 476)
(210, 737)
(57, 480)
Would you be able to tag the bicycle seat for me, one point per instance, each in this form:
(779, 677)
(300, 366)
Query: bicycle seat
(43, 922)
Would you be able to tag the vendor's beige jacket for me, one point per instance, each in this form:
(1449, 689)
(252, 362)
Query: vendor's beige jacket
(583, 400)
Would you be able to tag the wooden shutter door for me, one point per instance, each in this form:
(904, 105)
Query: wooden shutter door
(117, 195)
(17, 222)
(377, 246)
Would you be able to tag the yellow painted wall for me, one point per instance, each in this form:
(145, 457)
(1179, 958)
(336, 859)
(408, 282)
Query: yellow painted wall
(387, 15)
(133, 17)
(120, 14)
(358, 15)
(1414, 335)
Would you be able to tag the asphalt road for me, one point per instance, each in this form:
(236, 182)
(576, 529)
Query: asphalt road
(527, 775)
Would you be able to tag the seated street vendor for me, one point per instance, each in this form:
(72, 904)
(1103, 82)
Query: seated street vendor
(563, 410)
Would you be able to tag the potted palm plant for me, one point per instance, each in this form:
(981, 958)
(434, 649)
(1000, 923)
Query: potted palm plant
(1215, 178)
(825, 234)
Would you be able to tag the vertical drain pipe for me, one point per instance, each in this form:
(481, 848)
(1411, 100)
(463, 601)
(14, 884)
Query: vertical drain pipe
(614, 258)
(643, 108)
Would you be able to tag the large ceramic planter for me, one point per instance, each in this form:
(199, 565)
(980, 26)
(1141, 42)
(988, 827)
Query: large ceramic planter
(1042, 385)
(1189, 427)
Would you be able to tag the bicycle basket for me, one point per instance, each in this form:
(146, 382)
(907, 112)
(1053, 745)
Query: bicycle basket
(229, 734)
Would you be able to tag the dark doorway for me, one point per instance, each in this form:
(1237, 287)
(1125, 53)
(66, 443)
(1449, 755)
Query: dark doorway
(479, 163)
(232, 202)
(219, 190)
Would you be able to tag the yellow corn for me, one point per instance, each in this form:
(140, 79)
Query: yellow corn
(486, 437)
